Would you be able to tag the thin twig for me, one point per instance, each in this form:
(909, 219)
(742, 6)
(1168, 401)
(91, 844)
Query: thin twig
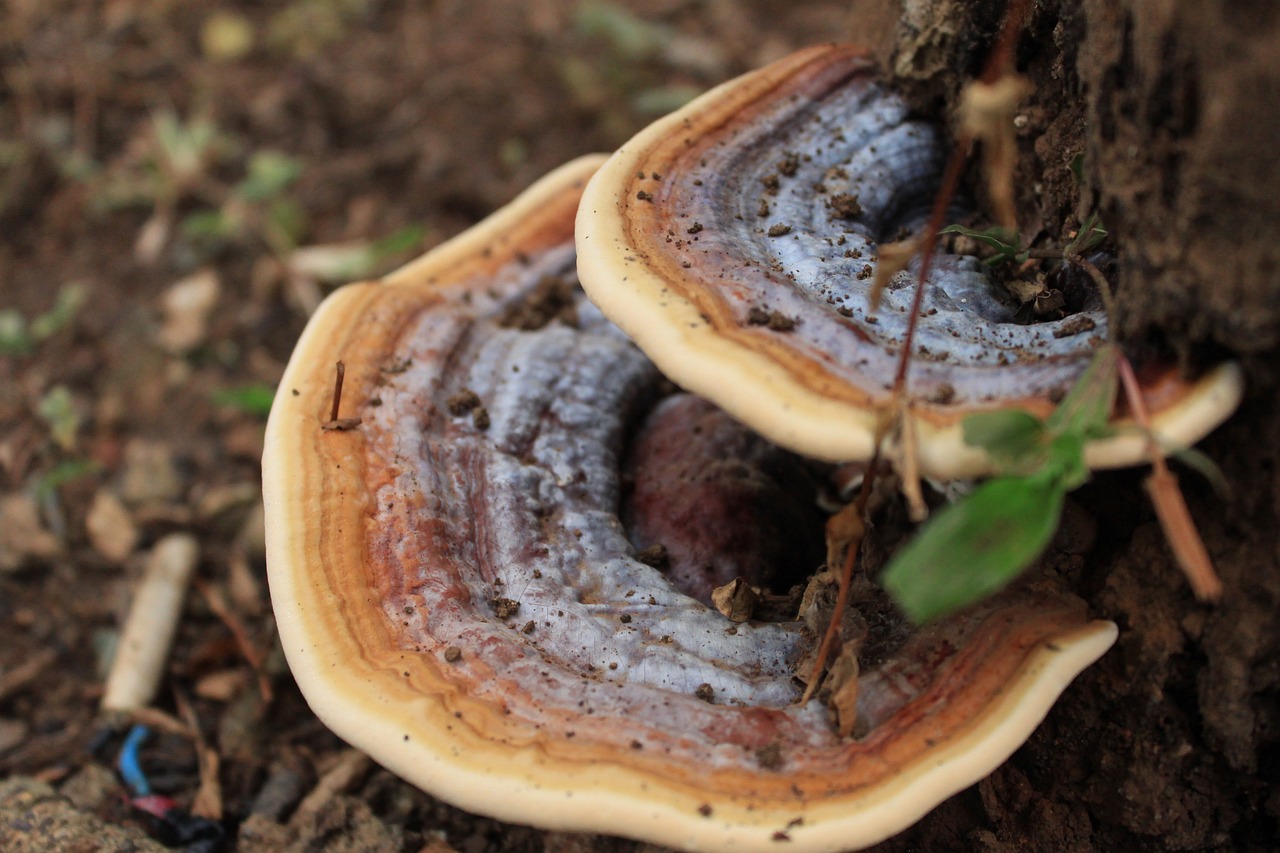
(846, 578)
(22, 674)
(255, 658)
(1171, 507)
(208, 799)
(950, 181)
(337, 390)
(1000, 62)
(1108, 299)
(345, 772)
(335, 422)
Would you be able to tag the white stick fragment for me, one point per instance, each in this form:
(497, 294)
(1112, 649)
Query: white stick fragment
(153, 619)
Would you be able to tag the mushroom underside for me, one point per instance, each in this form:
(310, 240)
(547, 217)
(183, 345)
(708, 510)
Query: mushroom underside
(464, 601)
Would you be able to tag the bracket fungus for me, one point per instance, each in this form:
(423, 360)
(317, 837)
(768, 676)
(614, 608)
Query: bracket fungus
(458, 595)
(736, 239)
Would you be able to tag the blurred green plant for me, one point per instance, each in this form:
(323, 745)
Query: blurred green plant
(181, 161)
(630, 36)
(172, 160)
(257, 205)
(253, 399)
(304, 28)
(20, 337)
(47, 483)
(57, 408)
(621, 66)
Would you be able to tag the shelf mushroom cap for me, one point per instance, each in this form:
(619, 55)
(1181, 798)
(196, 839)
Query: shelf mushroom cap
(735, 241)
(456, 595)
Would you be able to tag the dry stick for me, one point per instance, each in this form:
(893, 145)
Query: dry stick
(208, 799)
(337, 390)
(335, 422)
(1002, 51)
(152, 622)
(1108, 303)
(160, 721)
(999, 63)
(25, 672)
(1001, 60)
(345, 772)
(1162, 486)
(1171, 507)
(218, 605)
(846, 577)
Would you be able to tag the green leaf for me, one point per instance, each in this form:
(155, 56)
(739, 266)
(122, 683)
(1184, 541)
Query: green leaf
(408, 237)
(208, 226)
(1065, 460)
(58, 409)
(270, 173)
(14, 339)
(630, 36)
(1091, 233)
(70, 298)
(1076, 166)
(253, 399)
(1007, 244)
(187, 148)
(1203, 465)
(1086, 410)
(1013, 439)
(18, 337)
(64, 472)
(287, 222)
(973, 548)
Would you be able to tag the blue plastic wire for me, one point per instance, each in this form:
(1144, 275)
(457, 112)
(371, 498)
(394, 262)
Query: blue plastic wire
(130, 769)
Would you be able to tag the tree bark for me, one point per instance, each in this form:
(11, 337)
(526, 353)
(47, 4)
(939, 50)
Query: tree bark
(1170, 112)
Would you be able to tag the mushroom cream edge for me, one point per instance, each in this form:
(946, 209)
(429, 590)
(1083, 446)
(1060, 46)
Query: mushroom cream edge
(417, 738)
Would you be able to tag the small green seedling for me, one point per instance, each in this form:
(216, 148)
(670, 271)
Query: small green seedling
(258, 204)
(19, 337)
(66, 471)
(976, 546)
(1007, 244)
(58, 409)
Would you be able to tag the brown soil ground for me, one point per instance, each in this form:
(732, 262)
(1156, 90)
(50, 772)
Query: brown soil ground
(134, 417)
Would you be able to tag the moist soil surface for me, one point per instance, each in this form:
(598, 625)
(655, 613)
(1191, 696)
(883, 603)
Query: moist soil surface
(179, 185)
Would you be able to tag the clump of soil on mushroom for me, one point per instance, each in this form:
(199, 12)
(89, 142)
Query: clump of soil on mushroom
(553, 298)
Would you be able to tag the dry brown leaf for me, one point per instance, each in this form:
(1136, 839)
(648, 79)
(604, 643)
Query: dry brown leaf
(844, 529)
(986, 114)
(843, 682)
(208, 799)
(735, 600)
(891, 258)
(907, 462)
(110, 527)
(23, 535)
